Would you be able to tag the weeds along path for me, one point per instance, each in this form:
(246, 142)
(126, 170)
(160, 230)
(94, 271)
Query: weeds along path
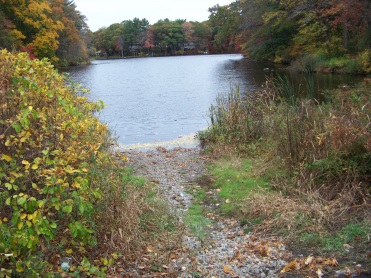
(211, 245)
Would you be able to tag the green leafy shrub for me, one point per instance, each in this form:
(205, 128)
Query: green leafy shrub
(353, 66)
(62, 190)
(48, 136)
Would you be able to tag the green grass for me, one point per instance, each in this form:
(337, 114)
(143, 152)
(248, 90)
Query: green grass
(196, 221)
(352, 233)
(350, 236)
(235, 181)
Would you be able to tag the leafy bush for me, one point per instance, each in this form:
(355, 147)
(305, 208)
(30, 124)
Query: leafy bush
(62, 190)
(353, 66)
(48, 136)
(365, 59)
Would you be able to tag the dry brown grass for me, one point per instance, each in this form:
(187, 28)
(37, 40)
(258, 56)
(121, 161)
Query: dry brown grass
(134, 222)
(317, 156)
(308, 213)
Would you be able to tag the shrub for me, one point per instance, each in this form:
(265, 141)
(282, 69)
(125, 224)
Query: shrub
(353, 66)
(62, 190)
(365, 59)
(308, 63)
(48, 136)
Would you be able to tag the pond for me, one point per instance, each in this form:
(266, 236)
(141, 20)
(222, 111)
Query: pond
(165, 100)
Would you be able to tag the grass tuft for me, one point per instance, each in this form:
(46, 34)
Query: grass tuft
(311, 161)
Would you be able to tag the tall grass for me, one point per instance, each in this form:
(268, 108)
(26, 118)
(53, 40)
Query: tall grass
(324, 148)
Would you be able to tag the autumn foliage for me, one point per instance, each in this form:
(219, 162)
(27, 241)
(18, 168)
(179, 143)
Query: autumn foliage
(51, 29)
(62, 190)
(46, 145)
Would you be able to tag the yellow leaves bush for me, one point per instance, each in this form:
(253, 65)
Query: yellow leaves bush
(63, 191)
(48, 138)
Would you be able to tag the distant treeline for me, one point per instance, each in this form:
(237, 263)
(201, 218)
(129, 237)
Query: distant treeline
(280, 31)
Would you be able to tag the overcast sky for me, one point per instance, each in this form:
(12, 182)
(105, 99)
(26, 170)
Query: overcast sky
(102, 13)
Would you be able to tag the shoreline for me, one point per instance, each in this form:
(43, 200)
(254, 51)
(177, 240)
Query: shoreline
(184, 141)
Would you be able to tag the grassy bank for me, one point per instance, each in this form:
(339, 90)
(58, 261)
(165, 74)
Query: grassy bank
(295, 166)
(356, 64)
(65, 195)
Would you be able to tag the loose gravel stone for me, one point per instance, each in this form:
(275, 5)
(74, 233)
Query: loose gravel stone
(226, 250)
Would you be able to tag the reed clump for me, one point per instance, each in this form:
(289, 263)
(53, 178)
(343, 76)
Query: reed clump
(317, 153)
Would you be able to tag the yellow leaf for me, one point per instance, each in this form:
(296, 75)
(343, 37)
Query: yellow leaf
(26, 164)
(76, 185)
(7, 157)
(35, 216)
(19, 268)
(20, 225)
(29, 216)
(5, 219)
(23, 216)
(73, 268)
(227, 269)
(105, 261)
(35, 166)
(69, 251)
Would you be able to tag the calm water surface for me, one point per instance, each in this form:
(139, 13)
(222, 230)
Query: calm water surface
(161, 99)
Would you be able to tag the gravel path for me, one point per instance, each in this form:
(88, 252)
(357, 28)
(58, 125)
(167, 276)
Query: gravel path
(226, 251)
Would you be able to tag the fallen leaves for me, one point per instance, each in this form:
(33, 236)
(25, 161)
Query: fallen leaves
(311, 264)
(228, 270)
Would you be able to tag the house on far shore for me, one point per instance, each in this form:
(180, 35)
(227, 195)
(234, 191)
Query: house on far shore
(100, 53)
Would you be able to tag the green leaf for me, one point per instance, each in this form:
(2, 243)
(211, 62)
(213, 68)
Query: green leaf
(67, 209)
(81, 208)
(17, 128)
(8, 186)
(21, 201)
